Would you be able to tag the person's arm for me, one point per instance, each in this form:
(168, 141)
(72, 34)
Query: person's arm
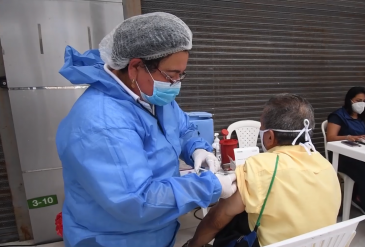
(190, 140)
(112, 166)
(216, 219)
(332, 133)
(334, 127)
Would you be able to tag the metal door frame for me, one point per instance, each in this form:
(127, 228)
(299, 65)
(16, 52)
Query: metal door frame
(13, 168)
(131, 8)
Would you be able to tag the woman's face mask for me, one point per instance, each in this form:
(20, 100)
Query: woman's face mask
(163, 92)
(358, 107)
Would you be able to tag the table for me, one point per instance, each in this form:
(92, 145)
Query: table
(338, 148)
(353, 152)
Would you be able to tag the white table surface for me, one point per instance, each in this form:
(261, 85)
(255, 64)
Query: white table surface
(338, 148)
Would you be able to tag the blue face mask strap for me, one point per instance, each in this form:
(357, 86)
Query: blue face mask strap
(149, 72)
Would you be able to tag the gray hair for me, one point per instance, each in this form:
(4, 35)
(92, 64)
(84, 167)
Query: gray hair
(287, 112)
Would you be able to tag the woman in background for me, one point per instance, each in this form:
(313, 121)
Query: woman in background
(348, 123)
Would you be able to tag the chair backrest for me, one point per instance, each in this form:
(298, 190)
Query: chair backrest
(338, 235)
(324, 130)
(247, 132)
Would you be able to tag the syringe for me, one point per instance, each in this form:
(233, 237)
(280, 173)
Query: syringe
(222, 173)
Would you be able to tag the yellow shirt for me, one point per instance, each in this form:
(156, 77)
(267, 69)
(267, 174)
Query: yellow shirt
(305, 195)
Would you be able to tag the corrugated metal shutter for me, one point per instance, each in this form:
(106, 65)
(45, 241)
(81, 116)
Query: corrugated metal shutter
(8, 228)
(246, 51)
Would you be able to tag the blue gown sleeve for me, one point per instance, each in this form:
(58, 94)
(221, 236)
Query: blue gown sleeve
(189, 138)
(112, 167)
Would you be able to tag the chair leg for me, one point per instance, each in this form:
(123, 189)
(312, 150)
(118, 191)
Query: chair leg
(347, 197)
(351, 238)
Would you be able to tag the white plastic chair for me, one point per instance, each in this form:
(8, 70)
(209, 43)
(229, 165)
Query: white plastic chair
(348, 182)
(338, 235)
(324, 131)
(247, 132)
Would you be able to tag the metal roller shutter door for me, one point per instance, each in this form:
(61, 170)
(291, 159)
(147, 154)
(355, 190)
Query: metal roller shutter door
(246, 51)
(8, 228)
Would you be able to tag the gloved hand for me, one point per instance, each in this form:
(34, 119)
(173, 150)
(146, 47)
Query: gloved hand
(203, 158)
(228, 182)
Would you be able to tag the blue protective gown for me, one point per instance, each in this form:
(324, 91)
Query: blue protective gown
(120, 164)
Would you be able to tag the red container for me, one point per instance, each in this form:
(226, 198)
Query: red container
(227, 149)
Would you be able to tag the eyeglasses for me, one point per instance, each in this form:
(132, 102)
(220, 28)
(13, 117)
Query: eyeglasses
(172, 81)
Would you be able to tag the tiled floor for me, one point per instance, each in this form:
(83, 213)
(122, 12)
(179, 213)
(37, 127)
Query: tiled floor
(189, 223)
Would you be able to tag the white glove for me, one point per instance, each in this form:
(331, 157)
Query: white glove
(228, 182)
(203, 158)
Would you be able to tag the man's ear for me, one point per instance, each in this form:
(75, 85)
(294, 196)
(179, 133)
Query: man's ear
(271, 140)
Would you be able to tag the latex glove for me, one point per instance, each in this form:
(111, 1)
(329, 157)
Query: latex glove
(203, 158)
(228, 182)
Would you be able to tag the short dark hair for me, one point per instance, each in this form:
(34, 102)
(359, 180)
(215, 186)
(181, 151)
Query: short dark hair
(152, 64)
(349, 96)
(288, 112)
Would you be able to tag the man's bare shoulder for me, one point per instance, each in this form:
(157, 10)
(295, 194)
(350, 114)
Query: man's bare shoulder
(231, 206)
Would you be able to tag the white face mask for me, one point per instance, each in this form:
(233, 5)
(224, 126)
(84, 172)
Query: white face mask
(308, 145)
(262, 132)
(358, 107)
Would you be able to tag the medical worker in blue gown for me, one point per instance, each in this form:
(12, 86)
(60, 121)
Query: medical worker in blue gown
(120, 143)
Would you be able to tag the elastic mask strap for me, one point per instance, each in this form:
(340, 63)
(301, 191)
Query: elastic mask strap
(306, 130)
(308, 145)
(149, 73)
(258, 222)
(139, 88)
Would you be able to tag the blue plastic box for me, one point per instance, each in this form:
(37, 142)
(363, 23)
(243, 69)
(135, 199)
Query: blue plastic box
(204, 123)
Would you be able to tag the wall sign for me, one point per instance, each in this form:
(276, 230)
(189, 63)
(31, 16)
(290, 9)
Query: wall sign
(41, 202)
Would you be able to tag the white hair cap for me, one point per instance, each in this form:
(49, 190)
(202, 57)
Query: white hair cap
(147, 36)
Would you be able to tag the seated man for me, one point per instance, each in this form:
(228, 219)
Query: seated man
(305, 194)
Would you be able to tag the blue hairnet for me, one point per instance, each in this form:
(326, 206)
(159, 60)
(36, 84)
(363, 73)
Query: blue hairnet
(147, 36)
